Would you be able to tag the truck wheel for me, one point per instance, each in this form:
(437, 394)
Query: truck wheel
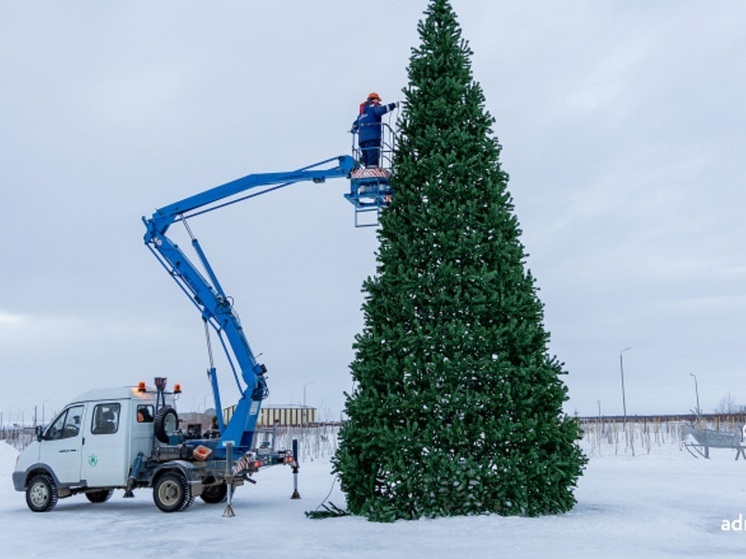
(165, 423)
(41, 493)
(172, 493)
(214, 494)
(99, 496)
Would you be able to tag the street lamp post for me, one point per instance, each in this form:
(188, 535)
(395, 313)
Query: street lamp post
(305, 410)
(624, 396)
(696, 392)
(304, 424)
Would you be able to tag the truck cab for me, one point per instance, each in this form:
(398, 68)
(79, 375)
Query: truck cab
(90, 447)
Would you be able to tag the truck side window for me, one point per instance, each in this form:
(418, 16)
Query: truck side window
(66, 426)
(105, 420)
(144, 413)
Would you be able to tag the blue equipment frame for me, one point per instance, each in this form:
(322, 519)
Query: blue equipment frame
(208, 295)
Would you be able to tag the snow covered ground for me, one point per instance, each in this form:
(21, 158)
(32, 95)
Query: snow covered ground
(661, 504)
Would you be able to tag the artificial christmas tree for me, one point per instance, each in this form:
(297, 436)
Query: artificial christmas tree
(457, 405)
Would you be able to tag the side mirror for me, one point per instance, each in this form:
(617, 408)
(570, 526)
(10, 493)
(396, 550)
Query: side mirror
(39, 430)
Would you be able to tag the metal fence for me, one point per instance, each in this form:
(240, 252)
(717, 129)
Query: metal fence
(17, 436)
(617, 435)
(641, 434)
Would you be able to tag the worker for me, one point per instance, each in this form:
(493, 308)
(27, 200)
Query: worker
(144, 415)
(367, 126)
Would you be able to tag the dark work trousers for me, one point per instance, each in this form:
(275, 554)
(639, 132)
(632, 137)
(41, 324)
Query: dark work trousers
(371, 151)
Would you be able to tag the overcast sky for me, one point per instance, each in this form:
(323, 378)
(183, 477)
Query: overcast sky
(623, 132)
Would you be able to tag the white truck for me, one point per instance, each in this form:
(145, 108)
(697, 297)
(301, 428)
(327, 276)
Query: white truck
(128, 438)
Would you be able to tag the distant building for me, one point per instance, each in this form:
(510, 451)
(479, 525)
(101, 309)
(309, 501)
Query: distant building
(290, 415)
(286, 415)
(195, 424)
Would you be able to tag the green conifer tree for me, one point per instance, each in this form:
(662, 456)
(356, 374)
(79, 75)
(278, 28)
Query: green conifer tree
(457, 405)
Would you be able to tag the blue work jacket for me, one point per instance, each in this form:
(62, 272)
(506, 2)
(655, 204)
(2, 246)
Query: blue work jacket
(368, 123)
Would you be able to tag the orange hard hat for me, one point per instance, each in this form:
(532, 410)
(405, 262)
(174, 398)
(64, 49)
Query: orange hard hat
(373, 95)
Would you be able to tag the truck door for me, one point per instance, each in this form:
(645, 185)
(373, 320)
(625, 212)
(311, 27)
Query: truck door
(61, 445)
(106, 447)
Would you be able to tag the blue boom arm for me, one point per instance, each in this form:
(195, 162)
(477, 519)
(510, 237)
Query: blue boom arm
(207, 294)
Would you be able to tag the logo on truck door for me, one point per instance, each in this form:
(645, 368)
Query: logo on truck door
(92, 460)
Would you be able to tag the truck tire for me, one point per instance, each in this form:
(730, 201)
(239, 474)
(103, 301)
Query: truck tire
(171, 493)
(41, 493)
(99, 496)
(165, 423)
(214, 494)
